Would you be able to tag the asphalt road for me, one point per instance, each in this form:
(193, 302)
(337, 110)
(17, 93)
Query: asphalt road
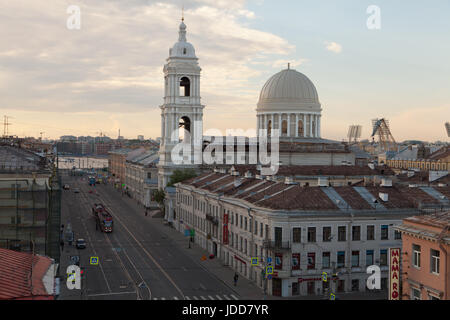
(137, 260)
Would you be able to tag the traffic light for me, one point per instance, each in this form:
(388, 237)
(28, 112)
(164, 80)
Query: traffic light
(82, 273)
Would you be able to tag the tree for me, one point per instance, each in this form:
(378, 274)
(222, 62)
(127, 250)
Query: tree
(159, 195)
(181, 175)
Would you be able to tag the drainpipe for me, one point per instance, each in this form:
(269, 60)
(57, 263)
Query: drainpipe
(444, 231)
(252, 240)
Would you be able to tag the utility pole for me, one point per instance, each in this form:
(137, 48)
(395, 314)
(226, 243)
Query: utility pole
(5, 126)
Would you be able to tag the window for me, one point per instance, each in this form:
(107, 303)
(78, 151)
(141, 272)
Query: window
(384, 283)
(261, 229)
(311, 234)
(384, 232)
(369, 258)
(383, 257)
(185, 87)
(342, 234)
(296, 261)
(232, 218)
(245, 246)
(240, 221)
(240, 244)
(326, 234)
(416, 256)
(296, 235)
(256, 227)
(355, 258)
(284, 128)
(341, 286)
(356, 233)
(370, 232)
(325, 260)
(250, 224)
(237, 220)
(267, 231)
(245, 224)
(311, 260)
(435, 259)
(341, 259)
(355, 285)
(397, 235)
(415, 294)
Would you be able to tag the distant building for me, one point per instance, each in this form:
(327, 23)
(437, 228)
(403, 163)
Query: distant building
(415, 157)
(140, 138)
(426, 257)
(26, 276)
(117, 163)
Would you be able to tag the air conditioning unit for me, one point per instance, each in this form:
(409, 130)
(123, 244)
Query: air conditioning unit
(384, 196)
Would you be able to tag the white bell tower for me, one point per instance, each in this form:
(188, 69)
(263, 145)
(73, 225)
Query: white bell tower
(182, 110)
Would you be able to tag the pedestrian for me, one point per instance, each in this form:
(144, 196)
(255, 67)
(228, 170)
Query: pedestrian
(62, 245)
(235, 278)
(146, 212)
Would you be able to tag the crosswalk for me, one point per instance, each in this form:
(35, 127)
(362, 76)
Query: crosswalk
(207, 297)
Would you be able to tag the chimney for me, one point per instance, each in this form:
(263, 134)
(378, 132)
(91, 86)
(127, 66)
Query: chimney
(383, 196)
(322, 181)
(248, 174)
(386, 182)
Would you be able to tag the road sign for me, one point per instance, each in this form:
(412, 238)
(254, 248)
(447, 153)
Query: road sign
(254, 261)
(332, 297)
(269, 270)
(324, 277)
(187, 232)
(269, 277)
(269, 259)
(94, 261)
(192, 232)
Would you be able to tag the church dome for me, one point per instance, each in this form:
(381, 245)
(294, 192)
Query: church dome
(182, 49)
(289, 90)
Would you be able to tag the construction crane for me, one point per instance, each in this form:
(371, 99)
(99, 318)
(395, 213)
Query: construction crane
(386, 139)
(354, 133)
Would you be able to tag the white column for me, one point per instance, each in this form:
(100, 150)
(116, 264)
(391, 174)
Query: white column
(310, 125)
(279, 122)
(289, 125)
(318, 127)
(296, 124)
(272, 121)
(162, 127)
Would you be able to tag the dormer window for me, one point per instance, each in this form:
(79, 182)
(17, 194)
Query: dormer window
(184, 50)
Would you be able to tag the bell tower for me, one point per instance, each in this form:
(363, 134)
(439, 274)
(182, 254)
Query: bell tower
(182, 112)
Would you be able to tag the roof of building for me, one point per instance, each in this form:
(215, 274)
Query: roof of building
(290, 196)
(316, 171)
(123, 151)
(426, 225)
(21, 275)
(14, 159)
(439, 220)
(442, 153)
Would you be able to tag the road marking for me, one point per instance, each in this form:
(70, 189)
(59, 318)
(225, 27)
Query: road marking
(195, 298)
(176, 298)
(226, 297)
(187, 298)
(123, 287)
(202, 286)
(234, 297)
(203, 298)
(211, 298)
(155, 298)
(218, 297)
(163, 298)
(107, 294)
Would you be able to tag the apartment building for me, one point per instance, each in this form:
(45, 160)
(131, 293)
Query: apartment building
(303, 230)
(426, 257)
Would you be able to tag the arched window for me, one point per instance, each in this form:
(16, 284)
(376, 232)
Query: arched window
(184, 131)
(284, 128)
(313, 127)
(300, 128)
(184, 50)
(185, 87)
(269, 127)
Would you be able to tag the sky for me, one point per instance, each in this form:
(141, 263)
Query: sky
(108, 75)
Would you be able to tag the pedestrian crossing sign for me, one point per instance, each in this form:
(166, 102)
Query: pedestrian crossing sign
(269, 270)
(332, 297)
(254, 261)
(94, 261)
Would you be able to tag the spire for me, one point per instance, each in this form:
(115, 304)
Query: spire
(182, 32)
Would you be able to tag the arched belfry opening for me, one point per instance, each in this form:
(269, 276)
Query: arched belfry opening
(185, 87)
(185, 129)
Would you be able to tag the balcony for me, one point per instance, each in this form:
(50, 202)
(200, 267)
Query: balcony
(277, 245)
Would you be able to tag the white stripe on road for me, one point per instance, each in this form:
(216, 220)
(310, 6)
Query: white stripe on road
(226, 297)
(203, 298)
(234, 297)
(218, 297)
(165, 298)
(187, 298)
(155, 298)
(176, 298)
(211, 298)
(195, 298)
(107, 294)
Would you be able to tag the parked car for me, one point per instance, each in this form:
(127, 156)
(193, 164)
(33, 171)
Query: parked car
(80, 244)
(76, 190)
(66, 187)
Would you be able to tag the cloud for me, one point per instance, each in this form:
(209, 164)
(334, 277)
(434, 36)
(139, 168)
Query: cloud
(333, 47)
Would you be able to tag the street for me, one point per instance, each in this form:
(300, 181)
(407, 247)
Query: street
(138, 260)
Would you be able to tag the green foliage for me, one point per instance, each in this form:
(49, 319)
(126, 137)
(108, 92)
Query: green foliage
(181, 175)
(159, 196)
